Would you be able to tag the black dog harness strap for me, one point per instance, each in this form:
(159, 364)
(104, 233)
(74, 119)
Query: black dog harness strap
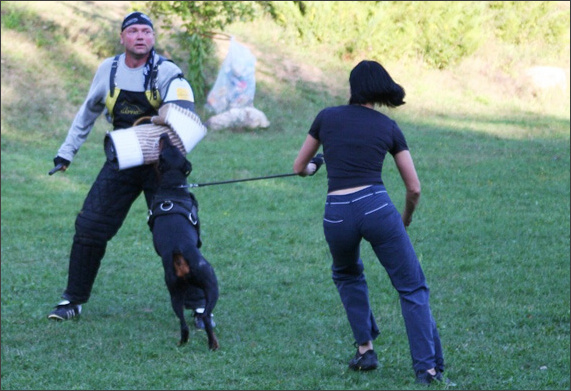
(187, 208)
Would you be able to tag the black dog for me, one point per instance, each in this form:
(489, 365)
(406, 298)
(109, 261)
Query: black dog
(173, 219)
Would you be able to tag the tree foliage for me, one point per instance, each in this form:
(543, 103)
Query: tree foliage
(438, 33)
(197, 23)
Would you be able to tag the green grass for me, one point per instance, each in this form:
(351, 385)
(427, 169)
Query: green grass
(491, 231)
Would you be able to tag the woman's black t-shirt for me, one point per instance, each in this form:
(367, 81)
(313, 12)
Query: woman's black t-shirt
(355, 142)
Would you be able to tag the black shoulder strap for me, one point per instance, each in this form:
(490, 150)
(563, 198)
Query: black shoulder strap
(154, 72)
(153, 78)
(112, 75)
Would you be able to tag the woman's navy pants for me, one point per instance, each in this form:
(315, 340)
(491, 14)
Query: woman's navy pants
(370, 214)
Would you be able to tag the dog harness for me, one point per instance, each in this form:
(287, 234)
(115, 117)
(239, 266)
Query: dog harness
(188, 207)
(172, 206)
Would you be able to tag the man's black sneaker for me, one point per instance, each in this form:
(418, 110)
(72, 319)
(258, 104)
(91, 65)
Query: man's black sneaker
(65, 311)
(365, 361)
(199, 323)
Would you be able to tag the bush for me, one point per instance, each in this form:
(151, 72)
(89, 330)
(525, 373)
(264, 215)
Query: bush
(439, 33)
(525, 22)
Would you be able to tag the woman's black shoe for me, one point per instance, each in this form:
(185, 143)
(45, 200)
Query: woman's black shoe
(365, 361)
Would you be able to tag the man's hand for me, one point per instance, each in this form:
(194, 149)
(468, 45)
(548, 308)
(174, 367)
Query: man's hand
(60, 164)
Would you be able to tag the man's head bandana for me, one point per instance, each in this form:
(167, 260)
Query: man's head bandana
(136, 18)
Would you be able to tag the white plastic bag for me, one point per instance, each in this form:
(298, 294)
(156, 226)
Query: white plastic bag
(235, 85)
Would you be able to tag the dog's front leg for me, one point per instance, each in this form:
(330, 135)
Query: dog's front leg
(209, 284)
(212, 340)
(177, 291)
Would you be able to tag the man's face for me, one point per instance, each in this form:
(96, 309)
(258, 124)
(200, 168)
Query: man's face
(138, 40)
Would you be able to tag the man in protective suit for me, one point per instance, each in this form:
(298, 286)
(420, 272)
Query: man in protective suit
(127, 87)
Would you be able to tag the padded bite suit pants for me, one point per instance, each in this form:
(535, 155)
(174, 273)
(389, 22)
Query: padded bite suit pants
(370, 214)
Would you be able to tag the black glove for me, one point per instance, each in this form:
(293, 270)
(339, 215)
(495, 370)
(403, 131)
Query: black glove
(62, 161)
(318, 160)
(59, 163)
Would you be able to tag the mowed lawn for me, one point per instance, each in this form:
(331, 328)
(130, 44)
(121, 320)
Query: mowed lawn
(491, 231)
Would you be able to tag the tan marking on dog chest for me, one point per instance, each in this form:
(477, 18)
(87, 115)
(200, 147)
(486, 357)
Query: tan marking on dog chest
(181, 267)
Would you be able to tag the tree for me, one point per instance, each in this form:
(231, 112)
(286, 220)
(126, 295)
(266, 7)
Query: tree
(197, 23)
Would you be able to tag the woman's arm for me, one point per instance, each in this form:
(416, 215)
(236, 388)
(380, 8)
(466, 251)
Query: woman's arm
(301, 165)
(408, 174)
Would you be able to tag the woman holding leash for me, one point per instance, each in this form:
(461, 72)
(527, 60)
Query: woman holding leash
(355, 139)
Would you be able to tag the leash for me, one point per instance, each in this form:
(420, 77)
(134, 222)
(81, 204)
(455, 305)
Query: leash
(192, 185)
(317, 160)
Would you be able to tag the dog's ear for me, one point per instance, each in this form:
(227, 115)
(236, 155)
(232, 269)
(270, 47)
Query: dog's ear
(164, 141)
(187, 168)
(162, 164)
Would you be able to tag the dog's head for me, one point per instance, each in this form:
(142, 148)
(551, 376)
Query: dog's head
(171, 158)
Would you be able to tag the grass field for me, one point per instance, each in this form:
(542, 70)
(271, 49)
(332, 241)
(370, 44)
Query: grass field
(491, 231)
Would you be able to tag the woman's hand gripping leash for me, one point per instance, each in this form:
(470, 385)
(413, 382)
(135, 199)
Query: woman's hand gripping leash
(314, 164)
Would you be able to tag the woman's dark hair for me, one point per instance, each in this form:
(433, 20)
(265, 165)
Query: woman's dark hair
(371, 83)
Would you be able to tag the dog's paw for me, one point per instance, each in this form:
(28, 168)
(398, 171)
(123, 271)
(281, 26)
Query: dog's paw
(213, 343)
(184, 333)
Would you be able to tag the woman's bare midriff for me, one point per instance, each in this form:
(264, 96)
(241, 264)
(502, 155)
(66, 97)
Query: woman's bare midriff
(349, 190)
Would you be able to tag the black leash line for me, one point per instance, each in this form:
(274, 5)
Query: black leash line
(192, 185)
